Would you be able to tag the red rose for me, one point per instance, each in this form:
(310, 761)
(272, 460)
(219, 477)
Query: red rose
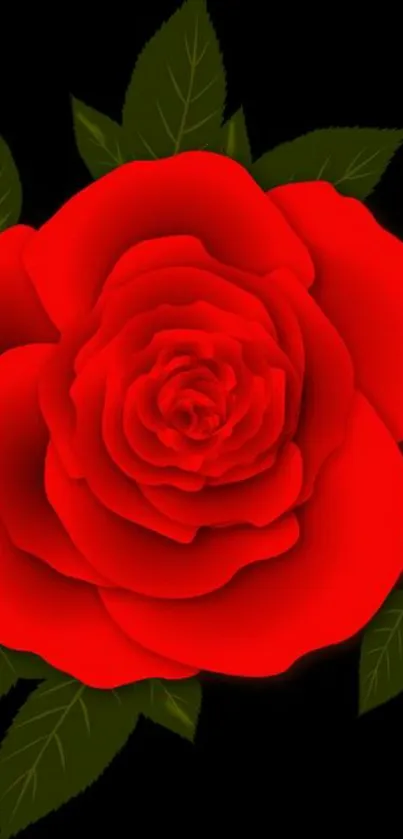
(201, 392)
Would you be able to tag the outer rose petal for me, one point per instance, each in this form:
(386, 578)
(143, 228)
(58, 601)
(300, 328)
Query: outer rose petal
(359, 268)
(24, 508)
(322, 592)
(203, 194)
(56, 406)
(22, 317)
(65, 623)
(328, 384)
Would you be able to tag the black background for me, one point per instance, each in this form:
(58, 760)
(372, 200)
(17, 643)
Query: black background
(291, 76)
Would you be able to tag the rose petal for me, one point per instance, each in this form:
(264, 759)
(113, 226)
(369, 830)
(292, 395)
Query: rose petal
(197, 300)
(111, 486)
(137, 559)
(168, 447)
(258, 501)
(328, 382)
(322, 592)
(246, 470)
(65, 623)
(23, 319)
(55, 381)
(200, 193)
(359, 269)
(126, 459)
(259, 433)
(24, 508)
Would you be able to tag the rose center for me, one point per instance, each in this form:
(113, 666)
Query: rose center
(194, 396)
(194, 417)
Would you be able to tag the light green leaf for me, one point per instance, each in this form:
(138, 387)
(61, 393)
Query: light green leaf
(10, 188)
(233, 140)
(173, 704)
(59, 743)
(99, 139)
(381, 662)
(176, 95)
(352, 159)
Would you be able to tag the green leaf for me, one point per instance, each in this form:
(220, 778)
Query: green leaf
(26, 665)
(8, 673)
(352, 159)
(172, 704)
(99, 139)
(233, 140)
(176, 95)
(10, 188)
(381, 663)
(59, 743)
(16, 665)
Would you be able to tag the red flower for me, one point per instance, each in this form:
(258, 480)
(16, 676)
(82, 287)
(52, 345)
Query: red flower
(201, 392)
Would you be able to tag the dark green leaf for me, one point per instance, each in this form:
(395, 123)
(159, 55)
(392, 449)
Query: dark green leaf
(233, 140)
(99, 139)
(381, 664)
(173, 704)
(58, 744)
(10, 188)
(16, 665)
(352, 159)
(27, 665)
(8, 673)
(176, 95)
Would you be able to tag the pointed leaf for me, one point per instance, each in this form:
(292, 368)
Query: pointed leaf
(176, 95)
(381, 663)
(233, 140)
(58, 744)
(352, 159)
(173, 704)
(99, 139)
(10, 188)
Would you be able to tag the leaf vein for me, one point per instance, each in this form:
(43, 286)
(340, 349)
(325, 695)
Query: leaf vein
(147, 146)
(60, 749)
(165, 123)
(373, 675)
(4, 196)
(17, 752)
(200, 123)
(56, 688)
(175, 85)
(204, 90)
(4, 655)
(41, 716)
(30, 773)
(85, 715)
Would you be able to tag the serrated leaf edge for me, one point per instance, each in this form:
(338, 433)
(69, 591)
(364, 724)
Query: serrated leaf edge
(187, 99)
(373, 674)
(348, 175)
(31, 774)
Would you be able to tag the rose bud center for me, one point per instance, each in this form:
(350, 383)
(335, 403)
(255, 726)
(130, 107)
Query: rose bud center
(193, 399)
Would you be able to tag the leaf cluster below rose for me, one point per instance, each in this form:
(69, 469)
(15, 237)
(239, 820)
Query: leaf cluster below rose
(201, 395)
